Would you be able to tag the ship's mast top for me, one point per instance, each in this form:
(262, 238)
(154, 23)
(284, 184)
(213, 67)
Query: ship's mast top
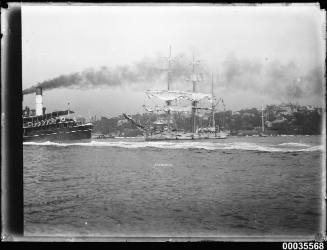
(194, 78)
(169, 70)
(169, 60)
(68, 108)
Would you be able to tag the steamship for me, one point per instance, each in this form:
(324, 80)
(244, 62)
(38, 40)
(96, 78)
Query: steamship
(55, 126)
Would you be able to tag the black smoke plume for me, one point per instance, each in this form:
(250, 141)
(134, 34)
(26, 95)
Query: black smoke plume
(282, 81)
(142, 74)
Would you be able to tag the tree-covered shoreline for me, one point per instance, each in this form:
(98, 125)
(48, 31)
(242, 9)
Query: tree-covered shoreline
(288, 119)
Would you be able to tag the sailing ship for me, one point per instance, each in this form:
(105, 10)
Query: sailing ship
(55, 126)
(174, 102)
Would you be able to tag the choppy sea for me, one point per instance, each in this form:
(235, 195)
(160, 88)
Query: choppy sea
(239, 186)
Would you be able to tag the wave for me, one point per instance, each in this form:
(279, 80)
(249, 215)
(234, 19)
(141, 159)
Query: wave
(294, 144)
(314, 148)
(283, 147)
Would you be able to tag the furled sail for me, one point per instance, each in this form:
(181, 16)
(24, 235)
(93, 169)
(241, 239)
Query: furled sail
(164, 95)
(192, 96)
(169, 95)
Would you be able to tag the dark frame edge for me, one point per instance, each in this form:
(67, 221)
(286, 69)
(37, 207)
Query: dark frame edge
(12, 215)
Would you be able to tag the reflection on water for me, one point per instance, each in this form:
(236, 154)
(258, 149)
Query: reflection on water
(237, 186)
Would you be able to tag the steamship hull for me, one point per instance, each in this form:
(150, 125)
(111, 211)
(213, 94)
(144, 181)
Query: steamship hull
(80, 132)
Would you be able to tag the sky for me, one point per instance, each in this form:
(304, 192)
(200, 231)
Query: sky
(263, 54)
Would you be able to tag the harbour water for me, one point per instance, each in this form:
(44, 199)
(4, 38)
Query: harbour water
(240, 186)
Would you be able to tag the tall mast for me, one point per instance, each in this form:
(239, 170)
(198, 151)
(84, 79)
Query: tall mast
(169, 83)
(169, 65)
(212, 104)
(68, 108)
(262, 122)
(194, 83)
(194, 76)
(223, 121)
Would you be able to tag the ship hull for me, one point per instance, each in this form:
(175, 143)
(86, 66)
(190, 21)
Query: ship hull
(181, 139)
(58, 134)
(189, 136)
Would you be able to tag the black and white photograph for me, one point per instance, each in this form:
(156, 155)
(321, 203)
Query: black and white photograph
(173, 121)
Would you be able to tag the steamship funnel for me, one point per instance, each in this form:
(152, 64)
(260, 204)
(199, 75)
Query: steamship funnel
(38, 101)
